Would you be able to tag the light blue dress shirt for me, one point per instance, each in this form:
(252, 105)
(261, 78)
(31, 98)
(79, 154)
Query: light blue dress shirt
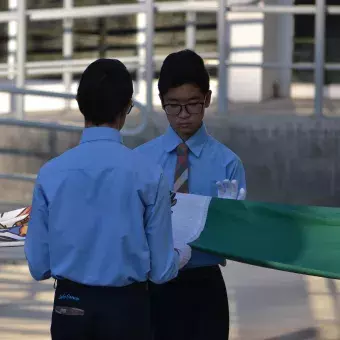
(101, 216)
(210, 161)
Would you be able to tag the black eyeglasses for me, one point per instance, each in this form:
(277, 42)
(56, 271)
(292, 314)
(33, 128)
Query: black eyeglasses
(191, 108)
(131, 106)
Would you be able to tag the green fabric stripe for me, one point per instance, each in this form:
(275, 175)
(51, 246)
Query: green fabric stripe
(298, 239)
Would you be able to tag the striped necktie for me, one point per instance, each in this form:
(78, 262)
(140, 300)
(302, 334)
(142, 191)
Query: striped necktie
(182, 169)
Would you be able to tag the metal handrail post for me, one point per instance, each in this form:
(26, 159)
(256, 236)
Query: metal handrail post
(319, 49)
(141, 48)
(190, 29)
(222, 49)
(67, 51)
(149, 67)
(21, 57)
(125, 132)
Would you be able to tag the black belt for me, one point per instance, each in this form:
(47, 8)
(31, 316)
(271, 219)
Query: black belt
(197, 274)
(133, 286)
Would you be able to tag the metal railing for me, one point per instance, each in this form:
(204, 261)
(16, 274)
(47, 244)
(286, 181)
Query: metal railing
(19, 177)
(61, 127)
(149, 8)
(53, 127)
(56, 126)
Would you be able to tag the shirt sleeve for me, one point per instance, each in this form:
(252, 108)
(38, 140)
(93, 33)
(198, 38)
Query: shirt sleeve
(36, 243)
(237, 172)
(164, 259)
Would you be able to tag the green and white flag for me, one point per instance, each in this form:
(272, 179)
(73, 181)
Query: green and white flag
(298, 239)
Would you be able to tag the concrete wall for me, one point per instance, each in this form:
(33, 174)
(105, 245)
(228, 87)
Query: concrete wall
(287, 159)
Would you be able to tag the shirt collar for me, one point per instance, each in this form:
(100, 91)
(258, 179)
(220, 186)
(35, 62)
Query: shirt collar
(195, 143)
(100, 133)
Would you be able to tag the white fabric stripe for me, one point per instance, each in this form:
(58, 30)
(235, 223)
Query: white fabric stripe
(9, 222)
(12, 236)
(181, 179)
(16, 240)
(12, 244)
(10, 215)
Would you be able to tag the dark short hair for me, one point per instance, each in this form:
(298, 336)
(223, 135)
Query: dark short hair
(183, 67)
(105, 89)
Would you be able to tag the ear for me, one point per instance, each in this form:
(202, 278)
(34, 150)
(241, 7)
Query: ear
(208, 99)
(127, 108)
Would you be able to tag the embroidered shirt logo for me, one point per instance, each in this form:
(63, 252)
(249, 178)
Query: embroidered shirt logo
(68, 297)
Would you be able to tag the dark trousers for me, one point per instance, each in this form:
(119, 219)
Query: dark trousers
(193, 306)
(98, 313)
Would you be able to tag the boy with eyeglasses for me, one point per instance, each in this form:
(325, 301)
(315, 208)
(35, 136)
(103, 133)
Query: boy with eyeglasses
(195, 304)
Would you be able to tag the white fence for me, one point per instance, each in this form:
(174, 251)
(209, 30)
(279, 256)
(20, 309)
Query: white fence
(146, 59)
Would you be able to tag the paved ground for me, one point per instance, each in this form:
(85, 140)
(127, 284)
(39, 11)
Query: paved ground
(265, 304)
(25, 306)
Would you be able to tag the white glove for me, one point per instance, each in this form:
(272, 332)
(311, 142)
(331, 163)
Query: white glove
(229, 190)
(184, 255)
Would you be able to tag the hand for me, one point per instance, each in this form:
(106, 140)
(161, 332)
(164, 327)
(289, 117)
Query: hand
(229, 190)
(184, 253)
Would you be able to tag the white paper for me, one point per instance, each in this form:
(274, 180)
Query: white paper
(188, 217)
